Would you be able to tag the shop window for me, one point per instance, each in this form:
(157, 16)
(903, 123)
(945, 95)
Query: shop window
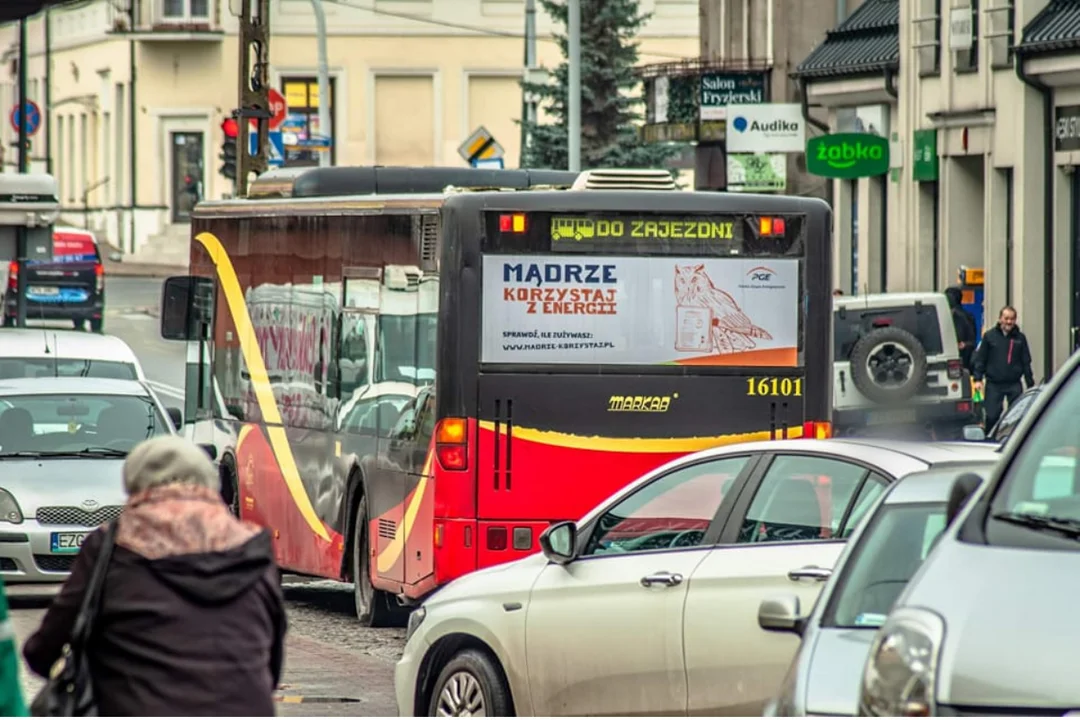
(302, 98)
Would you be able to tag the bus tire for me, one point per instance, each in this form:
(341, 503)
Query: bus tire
(374, 608)
(471, 684)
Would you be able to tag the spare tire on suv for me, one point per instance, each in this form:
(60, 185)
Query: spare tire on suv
(888, 365)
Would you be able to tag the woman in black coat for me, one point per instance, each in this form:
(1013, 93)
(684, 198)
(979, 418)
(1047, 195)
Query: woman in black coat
(192, 618)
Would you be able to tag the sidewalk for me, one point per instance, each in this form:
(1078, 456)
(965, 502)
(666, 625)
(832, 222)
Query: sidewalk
(136, 269)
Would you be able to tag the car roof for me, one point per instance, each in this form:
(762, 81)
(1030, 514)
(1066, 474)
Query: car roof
(67, 344)
(931, 453)
(71, 385)
(933, 485)
(888, 299)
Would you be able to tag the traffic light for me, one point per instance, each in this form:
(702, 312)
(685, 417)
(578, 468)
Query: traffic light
(230, 129)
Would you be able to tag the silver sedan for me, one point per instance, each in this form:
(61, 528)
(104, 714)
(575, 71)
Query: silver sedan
(62, 446)
(882, 556)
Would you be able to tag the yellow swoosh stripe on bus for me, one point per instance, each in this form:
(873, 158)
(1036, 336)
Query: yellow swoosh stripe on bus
(260, 380)
(636, 445)
(392, 552)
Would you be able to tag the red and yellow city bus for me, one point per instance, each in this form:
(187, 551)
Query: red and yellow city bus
(428, 380)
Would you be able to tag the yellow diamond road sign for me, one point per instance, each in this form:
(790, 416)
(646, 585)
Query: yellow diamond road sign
(480, 145)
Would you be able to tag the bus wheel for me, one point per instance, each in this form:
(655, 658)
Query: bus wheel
(374, 608)
(471, 685)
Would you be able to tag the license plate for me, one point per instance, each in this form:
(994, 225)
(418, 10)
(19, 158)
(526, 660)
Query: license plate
(886, 417)
(43, 290)
(67, 542)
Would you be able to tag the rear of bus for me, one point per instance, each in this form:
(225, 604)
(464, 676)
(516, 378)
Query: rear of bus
(587, 337)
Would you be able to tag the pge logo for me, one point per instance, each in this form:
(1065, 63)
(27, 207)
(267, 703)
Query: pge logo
(761, 273)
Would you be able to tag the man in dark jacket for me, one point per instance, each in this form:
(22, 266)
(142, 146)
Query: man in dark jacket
(192, 619)
(1003, 358)
(967, 335)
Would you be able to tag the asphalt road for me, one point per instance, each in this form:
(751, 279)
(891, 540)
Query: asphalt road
(333, 667)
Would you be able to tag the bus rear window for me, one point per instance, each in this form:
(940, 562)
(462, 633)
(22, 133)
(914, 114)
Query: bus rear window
(604, 309)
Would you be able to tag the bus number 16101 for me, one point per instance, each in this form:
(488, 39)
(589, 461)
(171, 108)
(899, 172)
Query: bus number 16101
(774, 387)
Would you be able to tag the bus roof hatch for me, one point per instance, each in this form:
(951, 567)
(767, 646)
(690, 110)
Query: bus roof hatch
(614, 179)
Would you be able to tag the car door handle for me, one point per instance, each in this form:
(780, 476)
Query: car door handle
(810, 572)
(661, 578)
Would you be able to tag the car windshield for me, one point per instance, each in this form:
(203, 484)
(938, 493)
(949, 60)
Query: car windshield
(36, 367)
(891, 549)
(1040, 492)
(91, 423)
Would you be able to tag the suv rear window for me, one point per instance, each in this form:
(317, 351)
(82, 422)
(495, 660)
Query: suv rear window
(74, 247)
(849, 324)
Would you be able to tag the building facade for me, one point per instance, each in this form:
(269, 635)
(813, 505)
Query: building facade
(135, 95)
(982, 104)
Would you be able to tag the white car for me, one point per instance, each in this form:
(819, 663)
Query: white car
(649, 605)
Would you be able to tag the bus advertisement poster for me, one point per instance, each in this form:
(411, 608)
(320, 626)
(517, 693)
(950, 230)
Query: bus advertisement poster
(640, 310)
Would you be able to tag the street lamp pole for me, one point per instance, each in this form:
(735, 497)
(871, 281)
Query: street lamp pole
(324, 80)
(21, 231)
(573, 105)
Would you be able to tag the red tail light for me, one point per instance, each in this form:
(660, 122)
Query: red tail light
(13, 275)
(963, 407)
(814, 430)
(956, 369)
(451, 445)
(99, 277)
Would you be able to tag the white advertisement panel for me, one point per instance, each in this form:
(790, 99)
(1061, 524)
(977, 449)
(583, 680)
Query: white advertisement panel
(640, 310)
(766, 128)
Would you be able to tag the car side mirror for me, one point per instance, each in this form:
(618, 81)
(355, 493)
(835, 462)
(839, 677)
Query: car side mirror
(559, 541)
(781, 614)
(974, 433)
(961, 491)
(210, 450)
(236, 411)
(177, 417)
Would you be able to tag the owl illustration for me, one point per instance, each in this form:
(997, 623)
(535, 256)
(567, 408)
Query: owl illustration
(732, 330)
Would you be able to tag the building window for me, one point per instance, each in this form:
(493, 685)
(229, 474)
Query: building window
(186, 9)
(968, 60)
(1001, 21)
(928, 36)
(302, 98)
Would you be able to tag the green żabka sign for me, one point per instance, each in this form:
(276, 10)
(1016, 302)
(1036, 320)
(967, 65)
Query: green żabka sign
(847, 155)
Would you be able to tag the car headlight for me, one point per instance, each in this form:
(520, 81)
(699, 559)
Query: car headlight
(9, 509)
(902, 667)
(415, 618)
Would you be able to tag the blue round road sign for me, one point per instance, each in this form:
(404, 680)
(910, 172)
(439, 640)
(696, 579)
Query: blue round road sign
(33, 117)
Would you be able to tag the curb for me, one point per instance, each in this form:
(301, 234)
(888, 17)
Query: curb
(143, 270)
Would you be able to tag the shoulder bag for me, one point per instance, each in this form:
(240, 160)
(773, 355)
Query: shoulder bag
(69, 691)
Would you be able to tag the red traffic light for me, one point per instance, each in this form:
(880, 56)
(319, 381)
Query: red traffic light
(230, 127)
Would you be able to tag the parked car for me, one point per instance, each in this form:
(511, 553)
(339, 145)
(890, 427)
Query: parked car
(897, 368)
(1008, 421)
(983, 627)
(62, 445)
(648, 605)
(880, 557)
(43, 352)
(70, 287)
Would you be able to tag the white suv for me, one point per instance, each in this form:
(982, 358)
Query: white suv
(897, 367)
